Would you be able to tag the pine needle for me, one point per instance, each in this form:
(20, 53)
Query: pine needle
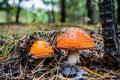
(92, 72)
(39, 65)
(63, 78)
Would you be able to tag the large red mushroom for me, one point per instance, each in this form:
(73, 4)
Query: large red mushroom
(74, 39)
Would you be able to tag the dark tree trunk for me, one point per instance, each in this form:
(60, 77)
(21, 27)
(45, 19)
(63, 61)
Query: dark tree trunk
(63, 11)
(18, 12)
(90, 11)
(109, 27)
(53, 12)
(118, 12)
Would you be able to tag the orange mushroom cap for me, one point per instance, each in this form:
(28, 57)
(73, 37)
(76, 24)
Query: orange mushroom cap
(74, 38)
(41, 49)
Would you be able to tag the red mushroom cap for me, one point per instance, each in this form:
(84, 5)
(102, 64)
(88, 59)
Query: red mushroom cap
(74, 38)
(41, 49)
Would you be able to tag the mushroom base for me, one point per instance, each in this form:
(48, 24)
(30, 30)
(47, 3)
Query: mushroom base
(73, 56)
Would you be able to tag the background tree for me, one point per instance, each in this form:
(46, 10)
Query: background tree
(76, 10)
(90, 11)
(50, 12)
(53, 12)
(46, 2)
(63, 10)
(4, 6)
(118, 12)
(18, 12)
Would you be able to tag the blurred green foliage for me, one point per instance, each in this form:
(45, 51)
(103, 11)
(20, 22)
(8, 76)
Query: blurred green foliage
(75, 12)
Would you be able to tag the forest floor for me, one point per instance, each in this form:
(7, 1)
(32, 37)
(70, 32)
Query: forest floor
(15, 63)
(13, 27)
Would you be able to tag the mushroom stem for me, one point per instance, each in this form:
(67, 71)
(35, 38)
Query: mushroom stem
(73, 56)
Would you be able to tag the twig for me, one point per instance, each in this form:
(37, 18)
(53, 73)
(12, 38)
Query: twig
(92, 72)
(39, 65)
(46, 73)
(63, 78)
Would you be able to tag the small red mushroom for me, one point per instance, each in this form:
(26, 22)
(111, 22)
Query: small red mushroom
(74, 39)
(41, 49)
